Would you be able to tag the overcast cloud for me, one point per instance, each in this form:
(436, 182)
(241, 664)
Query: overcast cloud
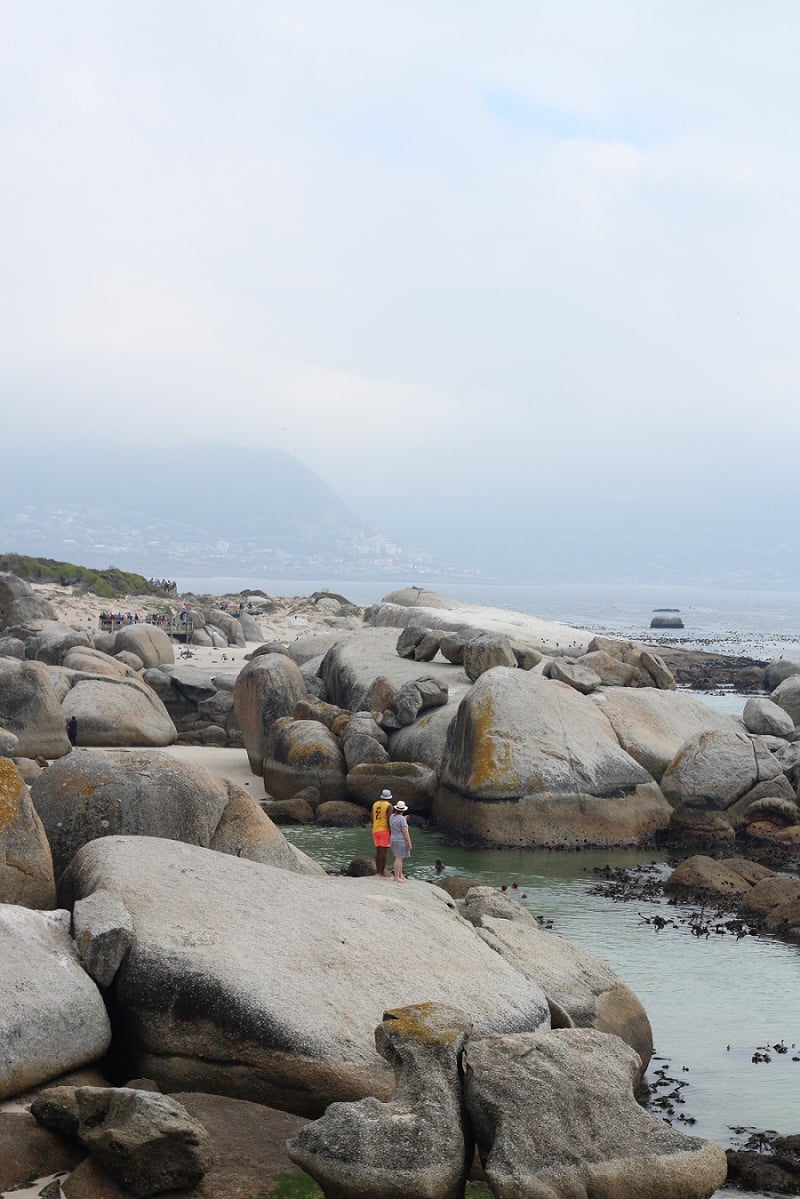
(503, 274)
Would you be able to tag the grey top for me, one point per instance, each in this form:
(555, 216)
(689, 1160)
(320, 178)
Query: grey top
(398, 822)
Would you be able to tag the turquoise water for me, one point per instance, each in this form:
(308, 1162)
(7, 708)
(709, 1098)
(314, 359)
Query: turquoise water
(712, 1002)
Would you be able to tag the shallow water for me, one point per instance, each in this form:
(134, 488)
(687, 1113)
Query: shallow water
(711, 1001)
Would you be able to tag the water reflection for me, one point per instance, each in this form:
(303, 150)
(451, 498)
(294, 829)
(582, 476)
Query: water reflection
(711, 1001)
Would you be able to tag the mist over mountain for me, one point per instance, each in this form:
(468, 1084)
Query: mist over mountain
(203, 509)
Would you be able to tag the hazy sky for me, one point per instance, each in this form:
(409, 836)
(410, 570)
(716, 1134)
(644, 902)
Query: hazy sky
(488, 268)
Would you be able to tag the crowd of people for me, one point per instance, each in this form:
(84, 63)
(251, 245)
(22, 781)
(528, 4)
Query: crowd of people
(169, 586)
(169, 621)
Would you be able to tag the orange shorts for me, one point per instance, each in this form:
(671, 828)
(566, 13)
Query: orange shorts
(382, 838)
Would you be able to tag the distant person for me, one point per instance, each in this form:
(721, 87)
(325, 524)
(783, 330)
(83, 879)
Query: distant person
(72, 731)
(400, 840)
(381, 836)
(437, 867)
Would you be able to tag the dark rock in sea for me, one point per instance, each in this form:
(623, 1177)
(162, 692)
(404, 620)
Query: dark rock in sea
(667, 622)
(703, 671)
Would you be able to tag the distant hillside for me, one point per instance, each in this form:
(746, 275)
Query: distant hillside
(199, 510)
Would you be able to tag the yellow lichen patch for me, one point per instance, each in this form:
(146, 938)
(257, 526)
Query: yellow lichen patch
(492, 769)
(428, 1023)
(11, 790)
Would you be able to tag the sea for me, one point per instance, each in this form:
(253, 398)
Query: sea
(715, 1002)
(755, 624)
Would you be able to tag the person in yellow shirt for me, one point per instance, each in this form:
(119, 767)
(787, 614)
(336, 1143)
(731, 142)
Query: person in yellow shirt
(381, 836)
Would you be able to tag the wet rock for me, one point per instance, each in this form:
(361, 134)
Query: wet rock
(706, 876)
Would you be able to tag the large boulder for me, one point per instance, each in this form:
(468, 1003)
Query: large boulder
(117, 711)
(50, 641)
(149, 794)
(412, 782)
(31, 709)
(351, 668)
(268, 688)
(246, 1158)
(533, 762)
(148, 642)
(555, 1117)
(575, 674)
(486, 650)
(778, 670)
(412, 698)
(647, 668)
(652, 725)
(470, 620)
(425, 740)
(251, 981)
(714, 769)
(13, 587)
(700, 875)
(303, 753)
(787, 696)
(230, 626)
(52, 1016)
(417, 1144)
(765, 718)
(90, 660)
(26, 865)
(146, 1141)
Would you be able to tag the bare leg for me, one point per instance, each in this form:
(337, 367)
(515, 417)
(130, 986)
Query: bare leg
(380, 860)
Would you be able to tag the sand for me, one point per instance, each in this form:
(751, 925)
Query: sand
(290, 618)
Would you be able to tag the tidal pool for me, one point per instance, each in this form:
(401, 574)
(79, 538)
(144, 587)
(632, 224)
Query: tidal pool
(712, 1001)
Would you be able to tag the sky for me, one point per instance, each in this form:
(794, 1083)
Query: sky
(517, 279)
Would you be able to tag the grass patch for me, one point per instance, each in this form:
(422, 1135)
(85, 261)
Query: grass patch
(293, 1186)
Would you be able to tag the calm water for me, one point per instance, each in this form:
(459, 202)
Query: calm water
(760, 624)
(701, 995)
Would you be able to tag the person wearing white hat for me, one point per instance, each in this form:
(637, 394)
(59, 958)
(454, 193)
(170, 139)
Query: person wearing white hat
(400, 840)
(381, 811)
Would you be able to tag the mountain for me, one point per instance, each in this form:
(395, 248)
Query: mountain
(199, 510)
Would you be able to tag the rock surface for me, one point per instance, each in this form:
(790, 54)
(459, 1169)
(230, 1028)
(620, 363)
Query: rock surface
(581, 989)
(144, 1140)
(531, 762)
(116, 711)
(52, 1017)
(419, 1142)
(26, 864)
(31, 709)
(268, 688)
(235, 981)
(146, 793)
(555, 1118)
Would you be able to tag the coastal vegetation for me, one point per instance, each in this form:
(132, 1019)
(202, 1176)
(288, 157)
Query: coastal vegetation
(108, 583)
